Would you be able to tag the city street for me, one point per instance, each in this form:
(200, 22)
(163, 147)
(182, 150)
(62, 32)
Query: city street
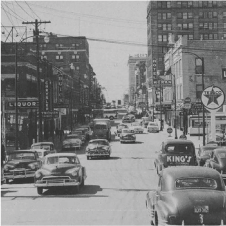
(114, 191)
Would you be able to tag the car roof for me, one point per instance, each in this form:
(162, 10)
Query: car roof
(190, 171)
(177, 141)
(220, 150)
(19, 151)
(39, 150)
(40, 143)
(62, 154)
(98, 140)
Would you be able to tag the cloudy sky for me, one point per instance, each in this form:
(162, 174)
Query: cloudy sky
(118, 27)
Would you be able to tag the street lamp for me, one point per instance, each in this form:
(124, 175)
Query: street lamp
(203, 87)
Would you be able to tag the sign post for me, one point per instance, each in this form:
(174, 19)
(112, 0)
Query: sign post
(213, 98)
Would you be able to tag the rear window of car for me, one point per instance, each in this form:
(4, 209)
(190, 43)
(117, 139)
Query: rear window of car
(191, 183)
(100, 126)
(100, 142)
(126, 131)
(180, 148)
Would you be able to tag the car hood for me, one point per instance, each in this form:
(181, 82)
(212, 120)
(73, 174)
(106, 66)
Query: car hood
(126, 134)
(19, 163)
(185, 200)
(58, 168)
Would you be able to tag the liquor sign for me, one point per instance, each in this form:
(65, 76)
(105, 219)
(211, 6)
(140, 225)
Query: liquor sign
(154, 68)
(60, 84)
(50, 114)
(47, 96)
(23, 104)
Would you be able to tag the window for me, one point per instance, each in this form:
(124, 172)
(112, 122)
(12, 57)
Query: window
(190, 15)
(205, 26)
(214, 3)
(73, 44)
(61, 45)
(178, 4)
(160, 38)
(168, 5)
(73, 57)
(77, 57)
(168, 15)
(77, 68)
(224, 35)
(190, 4)
(215, 36)
(224, 14)
(224, 25)
(201, 36)
(214, 25)
(199, 91)
(159, 26)
(190, 37)
(59, 57)
(179, 26)
(201, 15)
(184, 4)
(206, 37)
(57, 45)
(200, 3)
(210, 4)
(201, 26)
(185, 26)
(185, 16)
(179, 15)
(210, 26)
(210, 14)
(215, 15)
(165, 38)
(210, 36)
(204, 4)
(164, 16)
(190, 26)
(224, 73)
(159, 16)
(164, 27)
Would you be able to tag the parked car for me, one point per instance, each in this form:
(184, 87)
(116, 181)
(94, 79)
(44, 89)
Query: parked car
(98, 148)
(126, 119)
(71, 145)
(127, 135)
(42, 153)
(204, 153)
(217, 161)
(89, 130)
(136, 127)
(188, 195)
(21, 164)
(120, 127)
(85, 132)
(175, 153)
(49, 146)
(152, 127)
(132, 117)
(60, 170)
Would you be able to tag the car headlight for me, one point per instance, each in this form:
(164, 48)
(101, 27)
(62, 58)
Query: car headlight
(38, 174)
(32, 166)
(134, 136)
(73, 172)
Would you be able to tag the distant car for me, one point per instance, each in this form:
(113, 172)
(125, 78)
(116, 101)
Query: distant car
(132, 117)
(71, 145)
(136, 127)
(60, 170)
(21, 164)
(175, 153)
(120, 127)
(85, 132)
(76, 135)
(49, 146)
(127, 135)
(89, 131)
(126, 119)
(152, 127)
(42, 153)
(204, 153)
(188, 195)
(217, 161)
(220, 137)
(98, 148)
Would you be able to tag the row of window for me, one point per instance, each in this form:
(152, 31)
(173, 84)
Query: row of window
(164, 27)
(208, 26)
(186, 4)
(61, 57)
(185, 26)
(208, 36)
(61, 45)
(189, 15)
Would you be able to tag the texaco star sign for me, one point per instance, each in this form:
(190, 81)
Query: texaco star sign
(213, 97)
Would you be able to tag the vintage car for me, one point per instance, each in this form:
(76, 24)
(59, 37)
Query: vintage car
(217, 161)
(132, 117)
(136, 127)
(152, 127)
(75, 135)
(60, 170)
(89, 131)
(42, 153)
(85, 132)
(127, 135)
(98, 148)
(126, 119)
(190, 195)
(175, 152)
(120, 127)
(21, 164)
(71, 145)
(44, 145)
(204, 153)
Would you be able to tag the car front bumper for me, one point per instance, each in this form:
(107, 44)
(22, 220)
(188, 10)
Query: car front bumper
(17, 174)
(129, 140)
(56, 183)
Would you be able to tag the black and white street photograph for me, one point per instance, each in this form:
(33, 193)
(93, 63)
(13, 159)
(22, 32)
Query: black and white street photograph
(113, 112)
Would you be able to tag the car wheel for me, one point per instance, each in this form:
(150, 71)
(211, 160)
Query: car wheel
(40, 190)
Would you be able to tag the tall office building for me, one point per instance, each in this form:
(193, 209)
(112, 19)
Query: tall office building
(166, 20)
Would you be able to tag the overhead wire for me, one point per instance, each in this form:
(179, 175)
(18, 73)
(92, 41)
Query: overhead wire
(32, 10)
(24, 10)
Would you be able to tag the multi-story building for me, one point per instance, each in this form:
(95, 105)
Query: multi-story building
(184, 67)
(197, 20)
(137, 77)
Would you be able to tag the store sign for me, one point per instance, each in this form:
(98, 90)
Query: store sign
(47, 96)
(50, 114)
(167, 83)
(60, 86)
(154, 68)
(23, 104)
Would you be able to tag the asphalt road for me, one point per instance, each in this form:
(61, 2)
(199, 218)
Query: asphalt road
(114, 191)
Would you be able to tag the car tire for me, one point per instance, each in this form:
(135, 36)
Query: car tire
(40, 191)
(156, 219)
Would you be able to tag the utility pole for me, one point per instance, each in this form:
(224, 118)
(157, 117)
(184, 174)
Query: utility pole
(16, 94)
(36, 34)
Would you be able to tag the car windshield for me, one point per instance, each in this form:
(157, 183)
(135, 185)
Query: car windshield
(222, 155)
(152, 124)
(61, 160)
(77, 132)
(73, 136)
(42, 146)
(21, 155)
(190, 183)
(126, 131)
(180, 148)
(40, 154)
(99, 142)
(100, 126)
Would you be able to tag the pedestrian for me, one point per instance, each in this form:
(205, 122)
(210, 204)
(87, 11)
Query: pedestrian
(61, 132)
(57, 132)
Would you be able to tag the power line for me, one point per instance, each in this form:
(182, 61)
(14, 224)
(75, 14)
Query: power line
(32, 10)
(24, 10)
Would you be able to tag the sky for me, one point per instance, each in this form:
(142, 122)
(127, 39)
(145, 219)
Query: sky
(119, 28)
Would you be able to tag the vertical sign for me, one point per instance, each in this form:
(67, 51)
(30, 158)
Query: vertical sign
(47, 96)
(154, 68)
(60, 83)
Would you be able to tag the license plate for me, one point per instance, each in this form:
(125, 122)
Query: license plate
(201, 209)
